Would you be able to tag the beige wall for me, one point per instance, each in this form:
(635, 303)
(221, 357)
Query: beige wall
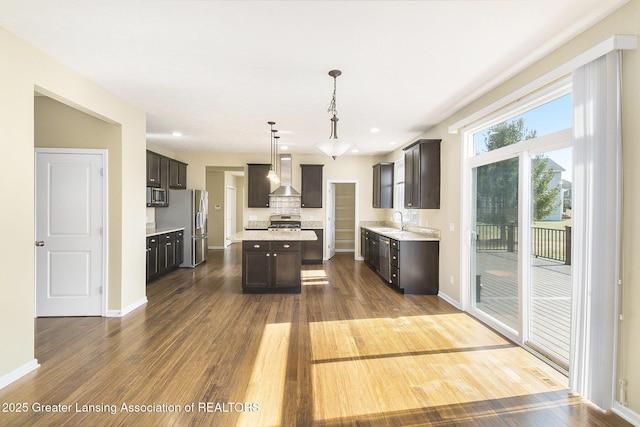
(356, 168)
(25, 69)
(59, 126)
(215, 227)
(625, 21)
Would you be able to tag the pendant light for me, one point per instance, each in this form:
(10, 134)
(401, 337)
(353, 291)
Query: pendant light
(272, 175)
(334, 146)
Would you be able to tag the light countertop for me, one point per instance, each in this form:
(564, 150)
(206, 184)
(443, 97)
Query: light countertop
(273, 235)
(406, 235)
(162, 230)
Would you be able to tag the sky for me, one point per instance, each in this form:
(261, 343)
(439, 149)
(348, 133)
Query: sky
(545, 119)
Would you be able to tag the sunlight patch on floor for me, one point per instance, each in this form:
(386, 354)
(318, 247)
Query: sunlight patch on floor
(372, 366)
(266, 386)
(314, 277)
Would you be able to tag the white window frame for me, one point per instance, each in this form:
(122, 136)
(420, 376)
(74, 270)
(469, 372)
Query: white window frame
(524, 151)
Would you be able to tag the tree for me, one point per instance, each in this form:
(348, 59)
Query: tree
(497, 183)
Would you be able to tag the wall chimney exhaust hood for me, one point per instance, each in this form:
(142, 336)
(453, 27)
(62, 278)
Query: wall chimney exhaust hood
(285, 189)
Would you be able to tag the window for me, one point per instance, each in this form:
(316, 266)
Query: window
(410, 216)
(519, 165)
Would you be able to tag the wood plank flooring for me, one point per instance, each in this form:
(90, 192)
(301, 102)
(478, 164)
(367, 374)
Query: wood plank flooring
(347, 351)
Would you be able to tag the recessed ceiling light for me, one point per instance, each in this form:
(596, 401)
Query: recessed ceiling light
(176, 133)
(375, 130)
(355, 150)
(392, 143)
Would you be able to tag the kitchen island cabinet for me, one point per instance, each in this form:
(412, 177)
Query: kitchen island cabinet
(272, 260)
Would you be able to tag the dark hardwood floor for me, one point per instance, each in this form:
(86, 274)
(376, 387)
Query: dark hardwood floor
(347, 351)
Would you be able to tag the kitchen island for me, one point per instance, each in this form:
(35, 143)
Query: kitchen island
(272, 260)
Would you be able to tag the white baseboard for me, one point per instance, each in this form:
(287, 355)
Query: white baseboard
(450, 300)
(128, 309)
(19, 373)
(626, 413)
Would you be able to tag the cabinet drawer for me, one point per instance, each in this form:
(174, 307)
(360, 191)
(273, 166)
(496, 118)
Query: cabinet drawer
(168, 236)
(395, 275)
(395, 257)
(152, 240)
(285, 246)
(179, 234)
(395, 244)
(255, 245)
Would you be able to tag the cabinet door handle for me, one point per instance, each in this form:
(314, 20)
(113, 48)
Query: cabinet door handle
(268, 255)
(286, 246)
(169, 244)
(275, 254)
(256, 246)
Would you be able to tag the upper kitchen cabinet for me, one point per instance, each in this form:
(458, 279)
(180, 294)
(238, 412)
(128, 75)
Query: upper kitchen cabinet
(422, 174)
(259, 185)
(383, 185)
(311, 190)
(153, 169)
(177, 175)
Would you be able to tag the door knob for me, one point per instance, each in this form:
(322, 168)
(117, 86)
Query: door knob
(40, 243)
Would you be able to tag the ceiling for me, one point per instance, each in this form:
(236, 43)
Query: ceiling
(218, 71)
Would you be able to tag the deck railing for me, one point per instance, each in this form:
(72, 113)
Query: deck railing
(546, 243)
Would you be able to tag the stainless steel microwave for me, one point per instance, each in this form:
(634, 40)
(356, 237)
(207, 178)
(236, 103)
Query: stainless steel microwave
(156, 196)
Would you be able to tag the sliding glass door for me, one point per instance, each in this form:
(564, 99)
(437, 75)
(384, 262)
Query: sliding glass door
(519, 220)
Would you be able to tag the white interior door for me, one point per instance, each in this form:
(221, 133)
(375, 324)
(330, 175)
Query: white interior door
(331, 220)
(230, 214)
(69, 226)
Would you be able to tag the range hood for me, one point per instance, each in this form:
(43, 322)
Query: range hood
(285, 189)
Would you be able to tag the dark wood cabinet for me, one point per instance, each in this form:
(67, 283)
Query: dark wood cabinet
(164, 253)
(152, 258)
(374, 251)
(413, 264)
(422, 174)
(164, 172)
(311, 189)
(259, 185)
(177, 175)
(271, 266)
(383, 185)
(312, 250)
(364, 245)
(153, 169)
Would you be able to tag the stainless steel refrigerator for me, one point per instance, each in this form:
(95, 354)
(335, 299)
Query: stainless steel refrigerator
(188, 209)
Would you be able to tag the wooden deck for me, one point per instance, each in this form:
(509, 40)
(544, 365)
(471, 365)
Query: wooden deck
(550, 302)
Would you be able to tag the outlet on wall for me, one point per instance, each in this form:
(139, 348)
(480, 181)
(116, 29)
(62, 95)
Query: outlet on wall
(451, 279)
(451, 226)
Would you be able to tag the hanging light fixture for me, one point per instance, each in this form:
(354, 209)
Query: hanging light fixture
(333, 146)
(272, 175)
(276, 178)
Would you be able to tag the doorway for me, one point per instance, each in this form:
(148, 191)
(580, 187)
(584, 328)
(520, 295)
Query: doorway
(341, 217)
(70, 206)
(230, 214)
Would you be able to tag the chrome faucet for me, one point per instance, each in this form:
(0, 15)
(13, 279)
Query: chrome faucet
(401, 219)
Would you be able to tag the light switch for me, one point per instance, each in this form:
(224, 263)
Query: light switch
(451, 226)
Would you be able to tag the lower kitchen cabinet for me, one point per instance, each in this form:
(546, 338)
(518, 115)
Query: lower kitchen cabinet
(312, 250)
(152, 258)
(413, 265)
(164, 253)
(271, 266)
